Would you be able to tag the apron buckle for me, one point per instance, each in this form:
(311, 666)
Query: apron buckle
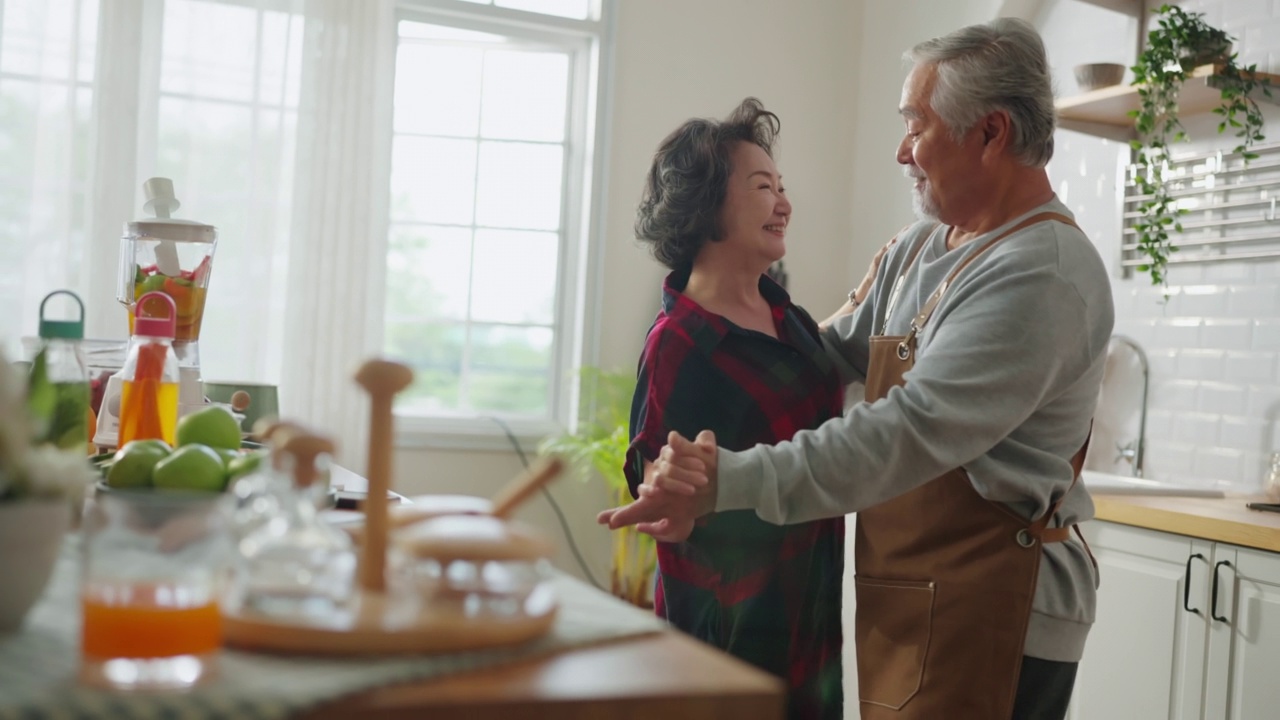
(1025, 538)
(904, 347)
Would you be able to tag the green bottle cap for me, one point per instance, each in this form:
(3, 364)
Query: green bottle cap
(65, 329)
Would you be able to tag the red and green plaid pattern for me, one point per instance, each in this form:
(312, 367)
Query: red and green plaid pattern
(767, 594)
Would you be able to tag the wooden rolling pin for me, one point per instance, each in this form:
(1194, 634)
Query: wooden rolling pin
(382, 379)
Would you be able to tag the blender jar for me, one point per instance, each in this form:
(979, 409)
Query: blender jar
(167, 255)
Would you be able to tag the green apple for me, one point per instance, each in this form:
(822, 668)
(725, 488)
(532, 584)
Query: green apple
(135, 463)
(226, 455)
(190, 467)
(153, 283)
(244, 464)
(214, 426)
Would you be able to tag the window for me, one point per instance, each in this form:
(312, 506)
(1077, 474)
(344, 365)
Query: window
(201, 91)
(491, 155)
(494, 125)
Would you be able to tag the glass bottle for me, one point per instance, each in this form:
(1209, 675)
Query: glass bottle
(149, 389)
(1271, 486)
(261, 495)
(58, 387)
(295, 566)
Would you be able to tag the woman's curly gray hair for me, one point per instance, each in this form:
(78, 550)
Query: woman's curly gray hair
(680, 209)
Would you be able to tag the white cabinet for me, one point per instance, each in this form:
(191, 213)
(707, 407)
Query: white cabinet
(1243, 666)
(1145, 655)
(1166, 643)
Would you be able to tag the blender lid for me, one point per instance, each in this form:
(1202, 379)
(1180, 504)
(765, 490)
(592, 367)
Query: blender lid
(161, 202)
(172, 229)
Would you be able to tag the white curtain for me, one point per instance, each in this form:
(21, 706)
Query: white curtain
(337, 264)
(114, 144)
(47, 93)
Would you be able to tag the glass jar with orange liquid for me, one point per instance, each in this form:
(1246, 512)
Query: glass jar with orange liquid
(149, 378)
(152, 564)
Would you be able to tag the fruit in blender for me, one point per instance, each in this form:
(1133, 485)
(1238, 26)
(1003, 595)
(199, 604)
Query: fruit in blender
(187, 290)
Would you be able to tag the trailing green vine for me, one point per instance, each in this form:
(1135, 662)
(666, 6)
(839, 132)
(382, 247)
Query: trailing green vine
(1181, 42)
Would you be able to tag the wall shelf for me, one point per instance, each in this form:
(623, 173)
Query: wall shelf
(1128, 7)
(1105, 111)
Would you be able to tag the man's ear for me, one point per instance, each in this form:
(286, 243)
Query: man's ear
(997, 130)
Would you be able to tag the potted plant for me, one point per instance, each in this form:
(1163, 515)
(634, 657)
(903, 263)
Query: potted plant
(599, 444)
(1181, 42)
(39, 483)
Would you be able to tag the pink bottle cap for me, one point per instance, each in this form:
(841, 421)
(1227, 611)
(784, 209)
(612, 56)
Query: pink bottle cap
(155, 326)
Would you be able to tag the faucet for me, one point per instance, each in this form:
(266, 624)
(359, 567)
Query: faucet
(1133, 451)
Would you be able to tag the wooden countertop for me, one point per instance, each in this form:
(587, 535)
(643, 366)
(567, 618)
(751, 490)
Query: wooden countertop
(665, 675)
(1218, 519)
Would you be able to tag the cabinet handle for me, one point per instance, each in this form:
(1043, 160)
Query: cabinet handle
(1186, 586)
(1213, 610)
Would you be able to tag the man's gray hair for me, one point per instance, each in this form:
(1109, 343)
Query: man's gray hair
(997, 66)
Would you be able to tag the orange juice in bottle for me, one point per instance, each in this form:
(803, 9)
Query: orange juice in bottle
(149, 392)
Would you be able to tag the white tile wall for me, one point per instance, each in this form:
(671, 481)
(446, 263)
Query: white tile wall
(1213, 336)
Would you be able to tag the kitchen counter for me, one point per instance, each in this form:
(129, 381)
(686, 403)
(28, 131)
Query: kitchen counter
(1217, 519)
(666, 675)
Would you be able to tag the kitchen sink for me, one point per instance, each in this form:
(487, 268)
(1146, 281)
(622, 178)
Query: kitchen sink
(1104, 483)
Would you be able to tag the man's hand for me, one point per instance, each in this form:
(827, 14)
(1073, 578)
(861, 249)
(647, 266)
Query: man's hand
(678, 488)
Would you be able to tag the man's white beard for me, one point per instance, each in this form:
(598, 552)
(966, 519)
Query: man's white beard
(923, 205)
(926, 208)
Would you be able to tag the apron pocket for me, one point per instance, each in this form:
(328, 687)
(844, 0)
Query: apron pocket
(893, 621)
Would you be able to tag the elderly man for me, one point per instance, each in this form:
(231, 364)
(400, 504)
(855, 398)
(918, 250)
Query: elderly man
(982, 348)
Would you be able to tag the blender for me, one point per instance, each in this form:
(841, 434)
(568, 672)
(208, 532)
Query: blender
(175, 257)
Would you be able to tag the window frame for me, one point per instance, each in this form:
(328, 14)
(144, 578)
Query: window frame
(576, 319)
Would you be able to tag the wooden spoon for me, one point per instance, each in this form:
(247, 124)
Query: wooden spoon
(524, 485)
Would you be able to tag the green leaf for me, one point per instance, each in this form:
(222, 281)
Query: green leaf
(42, 399)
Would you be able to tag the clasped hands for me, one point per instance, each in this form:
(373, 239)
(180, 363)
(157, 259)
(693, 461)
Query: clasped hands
(679, 487)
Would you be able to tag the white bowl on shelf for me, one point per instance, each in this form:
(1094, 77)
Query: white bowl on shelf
(1093, 76)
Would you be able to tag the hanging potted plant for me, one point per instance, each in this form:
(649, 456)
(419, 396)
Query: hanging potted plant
(599, 444)
(1181, 42)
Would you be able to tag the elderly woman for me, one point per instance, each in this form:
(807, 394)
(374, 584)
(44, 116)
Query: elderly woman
(729, 352)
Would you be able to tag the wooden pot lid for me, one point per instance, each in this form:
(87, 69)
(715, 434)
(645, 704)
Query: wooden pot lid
(476, 538)
(426, 507)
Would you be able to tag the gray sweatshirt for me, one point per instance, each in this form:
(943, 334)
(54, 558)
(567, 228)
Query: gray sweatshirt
(1004, 385)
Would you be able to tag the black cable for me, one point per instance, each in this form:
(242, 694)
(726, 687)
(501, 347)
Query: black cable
(564, 523)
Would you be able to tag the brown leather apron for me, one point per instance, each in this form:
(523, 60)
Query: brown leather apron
(945, 578)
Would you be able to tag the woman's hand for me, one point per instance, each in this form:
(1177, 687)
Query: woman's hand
(863, 289)
(679, 487)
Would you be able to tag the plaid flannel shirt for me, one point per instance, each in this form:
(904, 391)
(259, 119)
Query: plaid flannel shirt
(768, 594)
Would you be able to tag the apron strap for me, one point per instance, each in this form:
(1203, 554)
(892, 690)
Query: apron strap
(919, 321)
(1040, 528)
(897, 283)
(1041, 525)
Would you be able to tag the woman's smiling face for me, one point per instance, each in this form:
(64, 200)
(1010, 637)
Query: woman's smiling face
(756, 209)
